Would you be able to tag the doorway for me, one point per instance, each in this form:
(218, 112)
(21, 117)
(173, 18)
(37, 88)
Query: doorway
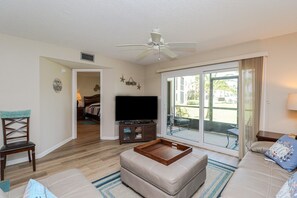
(87, 108)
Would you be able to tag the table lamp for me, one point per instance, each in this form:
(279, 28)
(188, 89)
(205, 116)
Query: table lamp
(292, 101)
(292, 105)
(78, 97)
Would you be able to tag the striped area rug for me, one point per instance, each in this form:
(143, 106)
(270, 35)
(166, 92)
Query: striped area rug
(217, 176)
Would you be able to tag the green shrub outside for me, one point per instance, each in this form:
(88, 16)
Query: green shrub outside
(193, 102)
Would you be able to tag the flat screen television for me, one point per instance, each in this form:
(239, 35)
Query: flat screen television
(136, 108)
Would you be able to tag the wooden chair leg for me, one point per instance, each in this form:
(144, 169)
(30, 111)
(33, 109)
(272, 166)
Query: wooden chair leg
(29, 156)
(2, 167)
(4, 161)
(33, 159)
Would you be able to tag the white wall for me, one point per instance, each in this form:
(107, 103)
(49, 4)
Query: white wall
(122, 89)
(20, 82)
(138, 77)
(281, 74)
(86, 85)
(55, 108)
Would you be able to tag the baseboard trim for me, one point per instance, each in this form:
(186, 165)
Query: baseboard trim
(44, 153)
(109, 137)
(40, 155)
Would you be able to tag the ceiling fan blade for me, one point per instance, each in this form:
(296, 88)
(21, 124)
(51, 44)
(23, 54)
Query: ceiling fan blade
(144, 53)
(132, 45)
(156, 37)
(168, 52)
(181, 45)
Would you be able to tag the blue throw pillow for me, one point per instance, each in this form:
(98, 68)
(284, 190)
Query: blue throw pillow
(5, 185)
(35, 189)
(289, 189)
(284, 152)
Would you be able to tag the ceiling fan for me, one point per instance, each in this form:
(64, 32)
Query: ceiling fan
(157, 43)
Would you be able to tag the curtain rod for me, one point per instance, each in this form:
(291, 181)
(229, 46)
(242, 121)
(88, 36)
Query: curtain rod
(230, 59)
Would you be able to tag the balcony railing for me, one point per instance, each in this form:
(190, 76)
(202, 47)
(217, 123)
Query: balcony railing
(228, 115)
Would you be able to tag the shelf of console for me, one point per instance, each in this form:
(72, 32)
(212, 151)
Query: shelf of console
(137, 132)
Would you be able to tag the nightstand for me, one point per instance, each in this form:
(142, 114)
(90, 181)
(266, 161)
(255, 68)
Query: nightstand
(268, 136)
(80, 113)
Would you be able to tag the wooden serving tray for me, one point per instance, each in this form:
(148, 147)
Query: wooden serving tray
(163, 151)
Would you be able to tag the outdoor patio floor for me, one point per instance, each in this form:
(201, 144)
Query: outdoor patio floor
(210, 137)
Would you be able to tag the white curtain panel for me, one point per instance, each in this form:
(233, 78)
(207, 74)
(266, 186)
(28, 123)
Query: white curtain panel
(250, 79)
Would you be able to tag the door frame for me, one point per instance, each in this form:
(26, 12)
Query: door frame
(74, 100)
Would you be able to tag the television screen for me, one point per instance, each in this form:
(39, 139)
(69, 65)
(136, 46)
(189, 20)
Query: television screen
(136, 108)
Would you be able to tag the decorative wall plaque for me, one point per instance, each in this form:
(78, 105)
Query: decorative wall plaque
(97, 87)
(57, 85)
(130, 82)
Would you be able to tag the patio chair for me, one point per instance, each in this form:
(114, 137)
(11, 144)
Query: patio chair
(15, 126)
(182, 122)
(233, 131)
(170, 123)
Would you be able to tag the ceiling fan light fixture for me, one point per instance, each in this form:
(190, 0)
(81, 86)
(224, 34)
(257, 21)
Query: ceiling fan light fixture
(156, 37)
(157, 43)
(156, 47)
(156, 30)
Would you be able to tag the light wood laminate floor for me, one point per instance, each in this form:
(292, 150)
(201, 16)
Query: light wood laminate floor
(95, 158)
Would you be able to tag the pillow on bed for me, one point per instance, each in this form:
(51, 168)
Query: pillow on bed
(284, 152)
(95, 104)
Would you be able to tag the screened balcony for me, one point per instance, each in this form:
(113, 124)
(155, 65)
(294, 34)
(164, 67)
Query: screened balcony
(220, 130)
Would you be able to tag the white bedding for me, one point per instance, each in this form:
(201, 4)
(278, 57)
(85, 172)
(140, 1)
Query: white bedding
(93, 109)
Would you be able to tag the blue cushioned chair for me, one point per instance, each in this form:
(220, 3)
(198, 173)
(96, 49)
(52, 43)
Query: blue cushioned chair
(15, 125)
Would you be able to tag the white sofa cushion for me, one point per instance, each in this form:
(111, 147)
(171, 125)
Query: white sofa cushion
(256, 177)
(67, 184)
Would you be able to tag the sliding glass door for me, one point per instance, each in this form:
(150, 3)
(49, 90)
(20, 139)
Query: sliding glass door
(183, 107)
(200, 105)
(221, 108)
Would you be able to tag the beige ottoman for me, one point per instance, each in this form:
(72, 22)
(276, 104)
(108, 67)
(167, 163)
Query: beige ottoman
(153, 179)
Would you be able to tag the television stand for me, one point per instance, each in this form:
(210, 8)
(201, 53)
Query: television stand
(130, 132)
(144, 122)
(127, 122)
(137, 122)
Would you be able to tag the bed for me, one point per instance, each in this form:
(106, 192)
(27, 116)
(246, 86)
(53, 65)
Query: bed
(92, 107)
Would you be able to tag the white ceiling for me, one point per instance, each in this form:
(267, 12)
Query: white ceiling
(98, 25)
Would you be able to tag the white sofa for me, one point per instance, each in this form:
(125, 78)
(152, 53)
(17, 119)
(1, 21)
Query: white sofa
(255, 176)
(67, 184)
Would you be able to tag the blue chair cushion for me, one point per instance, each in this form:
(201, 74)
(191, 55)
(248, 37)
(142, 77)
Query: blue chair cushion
(5, 185)
(15, 114)
(284, 152)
